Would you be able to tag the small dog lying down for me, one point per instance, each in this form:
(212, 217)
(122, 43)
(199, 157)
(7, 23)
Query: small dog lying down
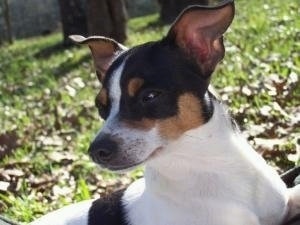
(159, 111)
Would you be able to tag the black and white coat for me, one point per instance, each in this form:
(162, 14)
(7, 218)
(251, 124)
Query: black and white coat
(168, 196)
(159, 112)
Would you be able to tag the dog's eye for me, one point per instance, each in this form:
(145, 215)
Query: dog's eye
(149, 96)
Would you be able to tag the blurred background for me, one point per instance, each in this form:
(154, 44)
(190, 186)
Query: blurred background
(48, 86)
(21, 19)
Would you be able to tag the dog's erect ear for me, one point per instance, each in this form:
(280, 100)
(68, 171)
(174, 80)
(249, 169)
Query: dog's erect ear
(103, 49)
(198, 32)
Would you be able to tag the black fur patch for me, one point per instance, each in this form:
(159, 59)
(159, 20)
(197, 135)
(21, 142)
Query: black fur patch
(164, 68)
(294, 221)
(108, 210)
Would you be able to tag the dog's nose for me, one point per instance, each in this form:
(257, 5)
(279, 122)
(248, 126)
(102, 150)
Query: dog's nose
(102, 149)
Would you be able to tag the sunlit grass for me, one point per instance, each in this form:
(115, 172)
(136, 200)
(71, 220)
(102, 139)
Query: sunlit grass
(48, 91)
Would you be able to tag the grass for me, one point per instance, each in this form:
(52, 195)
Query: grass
(47, 94)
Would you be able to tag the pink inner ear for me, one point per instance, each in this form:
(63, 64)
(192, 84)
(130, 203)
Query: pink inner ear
(198, 48)
(198, 31)
(102, 64)
(103, 54)
(195, 44)
(194, 39)
(206, 51)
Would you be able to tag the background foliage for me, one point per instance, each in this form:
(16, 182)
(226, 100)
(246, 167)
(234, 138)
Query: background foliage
(48, 118)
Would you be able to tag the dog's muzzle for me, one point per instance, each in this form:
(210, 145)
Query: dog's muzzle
(103, 149)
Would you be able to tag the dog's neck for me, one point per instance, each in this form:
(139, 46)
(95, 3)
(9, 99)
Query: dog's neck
(195, 151)
(199, 155)
(207, 171)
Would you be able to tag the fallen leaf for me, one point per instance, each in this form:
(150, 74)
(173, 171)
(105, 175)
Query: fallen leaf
(264, 144)
(13, 173)
(8, 142)
(4, 185)
(62, 157)
(265, 110)
(50, 141)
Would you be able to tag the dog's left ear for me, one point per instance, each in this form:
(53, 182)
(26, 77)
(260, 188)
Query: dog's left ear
(198, 32)
(104, 50)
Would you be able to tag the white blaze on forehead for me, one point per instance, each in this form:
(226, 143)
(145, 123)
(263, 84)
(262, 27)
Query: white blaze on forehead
(115, 91)
(134, 145)
(137, 144)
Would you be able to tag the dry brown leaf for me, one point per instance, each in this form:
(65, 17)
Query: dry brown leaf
(8, 142)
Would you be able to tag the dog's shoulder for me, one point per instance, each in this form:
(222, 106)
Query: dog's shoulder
(108, 210)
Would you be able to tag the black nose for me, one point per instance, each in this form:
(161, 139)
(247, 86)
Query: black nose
(103, 149)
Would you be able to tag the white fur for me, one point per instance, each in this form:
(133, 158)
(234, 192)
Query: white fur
(115, 91)
(137, 145)
(294, 201)
(208, 176)
(75, 214)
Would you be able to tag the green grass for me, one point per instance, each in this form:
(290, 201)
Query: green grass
(47, 96)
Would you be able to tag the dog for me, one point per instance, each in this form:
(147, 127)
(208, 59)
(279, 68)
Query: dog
(160, 112)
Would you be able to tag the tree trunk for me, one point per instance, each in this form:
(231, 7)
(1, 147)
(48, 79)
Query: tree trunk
(107, 18)
(170, 9)
(73, 18)
(7, 21)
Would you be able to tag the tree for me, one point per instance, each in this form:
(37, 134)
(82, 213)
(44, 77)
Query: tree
(93, 17)
(170, 9)
(73, 18)
(107, 18)
(6, 15)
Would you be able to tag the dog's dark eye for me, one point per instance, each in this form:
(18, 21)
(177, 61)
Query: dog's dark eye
(150, 96)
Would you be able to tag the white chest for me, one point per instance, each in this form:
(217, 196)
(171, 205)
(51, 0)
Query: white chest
(207, 178)
(208, 208)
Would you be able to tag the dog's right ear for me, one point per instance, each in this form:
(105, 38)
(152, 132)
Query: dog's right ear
(199, 30)
(104, 50)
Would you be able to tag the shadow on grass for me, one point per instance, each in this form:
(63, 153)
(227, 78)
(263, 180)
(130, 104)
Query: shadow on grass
(68, 66)
(154, 24)
(50, 50)
(145, 24)
(65, 66)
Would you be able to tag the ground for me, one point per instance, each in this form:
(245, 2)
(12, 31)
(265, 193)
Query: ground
(48, 118)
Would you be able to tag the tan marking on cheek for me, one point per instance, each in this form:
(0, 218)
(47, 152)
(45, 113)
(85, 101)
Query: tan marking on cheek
(134, 85)
(143, 124)
(102, 97)
(189, 116)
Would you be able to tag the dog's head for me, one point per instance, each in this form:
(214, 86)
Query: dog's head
(153, 93)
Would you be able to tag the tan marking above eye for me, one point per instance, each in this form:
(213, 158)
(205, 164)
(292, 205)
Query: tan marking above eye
(102, 97)
(189, 116)
(134, 85)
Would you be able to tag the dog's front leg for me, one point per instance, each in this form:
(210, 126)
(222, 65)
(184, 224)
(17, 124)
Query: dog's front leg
(294, 205)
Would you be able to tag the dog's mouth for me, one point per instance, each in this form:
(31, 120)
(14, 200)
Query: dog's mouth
(131, 166)
(155, 152)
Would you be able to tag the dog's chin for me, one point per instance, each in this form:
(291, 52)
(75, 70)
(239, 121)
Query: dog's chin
(124, 168)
